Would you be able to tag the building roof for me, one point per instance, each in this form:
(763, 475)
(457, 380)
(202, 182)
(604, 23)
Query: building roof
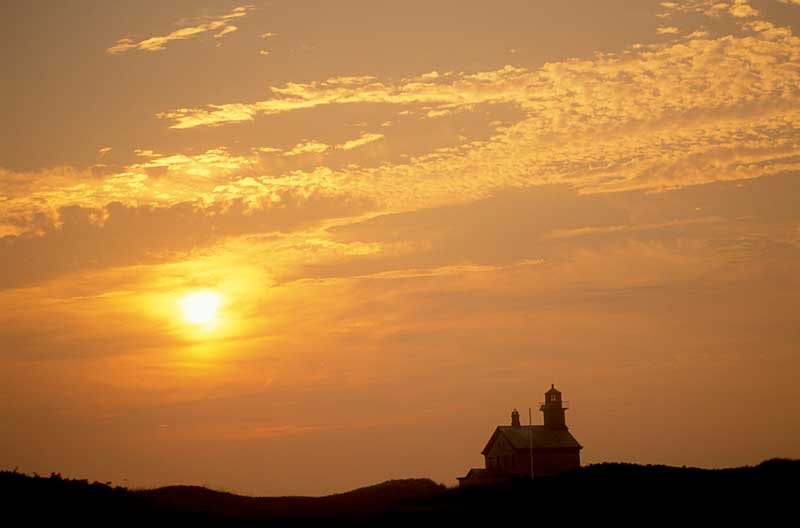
(552, 390)
(484, 473)
(543, 438)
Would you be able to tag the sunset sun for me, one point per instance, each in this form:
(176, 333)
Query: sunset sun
(200, 308)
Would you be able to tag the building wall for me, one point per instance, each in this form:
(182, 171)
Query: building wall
(552, 461)
(501, 455)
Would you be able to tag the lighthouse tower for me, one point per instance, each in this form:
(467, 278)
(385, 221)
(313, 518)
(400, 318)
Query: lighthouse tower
(553, 409)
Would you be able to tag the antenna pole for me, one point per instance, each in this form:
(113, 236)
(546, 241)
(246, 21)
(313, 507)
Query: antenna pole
(530, 436)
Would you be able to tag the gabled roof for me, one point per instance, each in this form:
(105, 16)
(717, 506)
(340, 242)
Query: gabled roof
(484, 473)
(543, 438)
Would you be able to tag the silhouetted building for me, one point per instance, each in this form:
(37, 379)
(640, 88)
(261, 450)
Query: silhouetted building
(511, 448)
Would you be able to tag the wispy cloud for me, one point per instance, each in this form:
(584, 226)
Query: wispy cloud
(307, 147)
(713, 8)
(360, 141)
(159, 43)
(317, 147)
(610, 123)
(225, 31)
(646, 129)
(446, 91)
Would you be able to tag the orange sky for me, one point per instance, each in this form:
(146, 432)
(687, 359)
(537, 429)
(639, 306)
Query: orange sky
(415, 217)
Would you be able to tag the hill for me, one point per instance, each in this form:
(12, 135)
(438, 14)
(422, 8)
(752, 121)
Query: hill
(610, 491)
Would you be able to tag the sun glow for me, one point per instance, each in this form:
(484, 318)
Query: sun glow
(200, 308)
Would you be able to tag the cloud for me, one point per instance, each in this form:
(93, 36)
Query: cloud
(741, 9)
(307, 147)
(552, 223)
(615, 122)
(498, 86)
(667, 30)
(78, 239)
(713, 8)
(214, 177)
(360, 141)
(159, 43)
(225, 31)
(266, 150)
(697, 34)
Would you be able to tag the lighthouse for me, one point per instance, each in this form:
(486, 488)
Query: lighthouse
(518, 450)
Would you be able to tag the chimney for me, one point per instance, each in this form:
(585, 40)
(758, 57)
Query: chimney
(515, 418)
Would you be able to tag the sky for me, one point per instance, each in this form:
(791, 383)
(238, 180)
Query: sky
(297, 247)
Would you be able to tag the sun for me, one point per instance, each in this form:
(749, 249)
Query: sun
(200, 308)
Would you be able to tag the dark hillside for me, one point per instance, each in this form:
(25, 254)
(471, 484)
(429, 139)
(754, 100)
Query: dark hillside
(363, 501)
(610, 492)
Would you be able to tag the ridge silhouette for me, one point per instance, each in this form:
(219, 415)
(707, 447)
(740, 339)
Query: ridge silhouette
(609, 491)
